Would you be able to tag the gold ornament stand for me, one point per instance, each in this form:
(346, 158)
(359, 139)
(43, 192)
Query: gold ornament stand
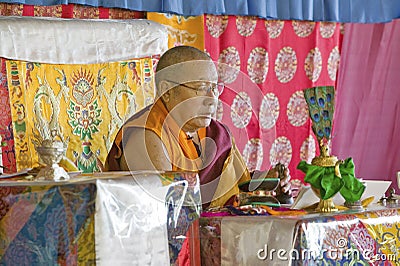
(326, 160)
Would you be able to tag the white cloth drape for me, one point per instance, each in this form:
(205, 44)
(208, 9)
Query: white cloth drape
(250, 241)
(131, 222)
(79, 41)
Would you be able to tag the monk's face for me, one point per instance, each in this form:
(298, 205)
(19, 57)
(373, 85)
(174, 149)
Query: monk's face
(193, 96)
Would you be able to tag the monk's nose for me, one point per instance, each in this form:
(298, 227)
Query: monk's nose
(210, 100)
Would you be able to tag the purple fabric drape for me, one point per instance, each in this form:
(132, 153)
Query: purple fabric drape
(222, 138)
(367, 112)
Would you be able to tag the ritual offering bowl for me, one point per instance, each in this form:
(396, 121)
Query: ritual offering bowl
(50, 153)
(326, 205)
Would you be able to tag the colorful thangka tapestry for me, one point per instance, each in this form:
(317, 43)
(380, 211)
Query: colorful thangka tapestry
(83, 105)
(56, 11)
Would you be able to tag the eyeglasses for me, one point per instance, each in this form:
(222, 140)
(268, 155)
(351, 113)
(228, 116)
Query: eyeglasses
(203, 89)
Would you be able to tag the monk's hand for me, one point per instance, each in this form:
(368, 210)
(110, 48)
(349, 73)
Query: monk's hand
(281, 172)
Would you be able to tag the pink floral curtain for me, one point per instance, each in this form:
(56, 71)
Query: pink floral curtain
(266, 65)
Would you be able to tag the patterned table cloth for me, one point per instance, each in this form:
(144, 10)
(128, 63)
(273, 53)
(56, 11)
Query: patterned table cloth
(370, 237)
(97, 220)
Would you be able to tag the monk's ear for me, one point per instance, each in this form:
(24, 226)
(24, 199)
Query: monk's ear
(165, 89)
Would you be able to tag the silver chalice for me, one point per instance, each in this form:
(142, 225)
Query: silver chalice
(50, 153)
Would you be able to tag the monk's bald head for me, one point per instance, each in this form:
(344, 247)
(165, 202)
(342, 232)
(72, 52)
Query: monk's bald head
(180, 54)
(183, 64)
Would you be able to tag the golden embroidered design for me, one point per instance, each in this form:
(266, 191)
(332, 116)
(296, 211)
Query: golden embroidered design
(84, 105)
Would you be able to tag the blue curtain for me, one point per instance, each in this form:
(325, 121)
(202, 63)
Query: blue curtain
(357, 11)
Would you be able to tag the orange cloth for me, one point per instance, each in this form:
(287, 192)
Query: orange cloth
(174, 139)
(283, 213)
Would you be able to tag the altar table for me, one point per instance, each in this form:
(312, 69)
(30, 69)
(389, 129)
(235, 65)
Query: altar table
(100, 219)
(369, 237)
